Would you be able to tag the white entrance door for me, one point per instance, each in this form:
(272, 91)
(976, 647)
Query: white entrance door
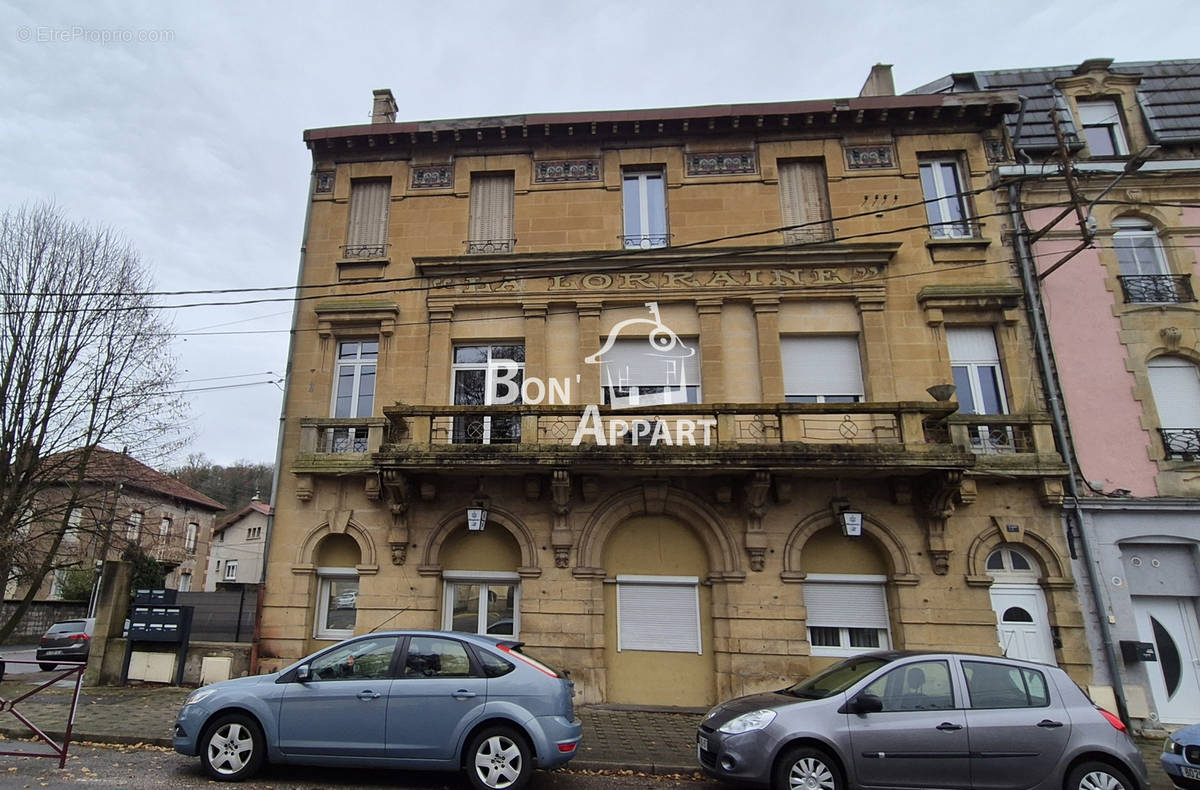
(1171, 625)
(1021, 622)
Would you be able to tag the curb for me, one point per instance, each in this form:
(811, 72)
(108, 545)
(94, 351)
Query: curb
(78, 736)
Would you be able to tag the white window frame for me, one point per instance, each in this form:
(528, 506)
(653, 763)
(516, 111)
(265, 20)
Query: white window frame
(482, 579)
(945, 197)
(189, 540)
(683, 368)
(972, 365)
(352, 439)
(230, 571)
(881, 622)
(490, 368)
(253, 533)
(74, 523)
(133, 528)
(635, 592)
(1176, 391)
(164, 527)
(639, 230)
(1102, 114)
(325, 577)
(809, 351)
(1136, 258)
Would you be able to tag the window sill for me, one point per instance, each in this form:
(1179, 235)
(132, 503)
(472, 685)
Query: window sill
(362, 268)
(958, 250)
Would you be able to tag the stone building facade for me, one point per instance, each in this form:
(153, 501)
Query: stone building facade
(1116, 273)
(682, 358)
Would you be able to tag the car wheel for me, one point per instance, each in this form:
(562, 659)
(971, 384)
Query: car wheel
(232, 748)
(1098, 776)
(46, 666)
(498, 759)
(806, 768)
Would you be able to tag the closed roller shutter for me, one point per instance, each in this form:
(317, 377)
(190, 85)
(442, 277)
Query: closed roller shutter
(846, 604)
(658, 613)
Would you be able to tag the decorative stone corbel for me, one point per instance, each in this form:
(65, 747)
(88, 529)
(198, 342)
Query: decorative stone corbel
(560, 537)
(400, 498)
(533, 487)
(372, 488)
(755, 492)
(304, 488)
(654, 492)
(339, 520)
(1171, 337)
(934, 500)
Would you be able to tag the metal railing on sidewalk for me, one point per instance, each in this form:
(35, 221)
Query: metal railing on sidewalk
(10, 706)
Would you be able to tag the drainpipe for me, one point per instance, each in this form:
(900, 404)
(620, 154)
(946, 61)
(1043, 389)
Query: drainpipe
(1046, 366)
(287, 388)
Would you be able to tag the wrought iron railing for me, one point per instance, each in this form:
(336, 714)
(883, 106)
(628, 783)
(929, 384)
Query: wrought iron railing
(644, 241)
(355, 251)
(992, 434)
(1168, 288)
(961, 229)
(489, 246)
(1181, 443)
(341, 436)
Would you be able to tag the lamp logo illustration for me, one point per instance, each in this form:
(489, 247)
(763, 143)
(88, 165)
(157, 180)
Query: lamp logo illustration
(650, 374)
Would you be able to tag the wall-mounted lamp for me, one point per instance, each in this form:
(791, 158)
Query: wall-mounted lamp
(851, 523)
(476, 518)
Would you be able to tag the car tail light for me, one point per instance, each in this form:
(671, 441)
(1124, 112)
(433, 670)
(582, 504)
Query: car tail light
(43, 642)
(79, 637)
(1113, 720)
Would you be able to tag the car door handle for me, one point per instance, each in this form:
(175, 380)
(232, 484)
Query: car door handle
(463, 694)
(368, 694)
(1047, 723)
(947, 726)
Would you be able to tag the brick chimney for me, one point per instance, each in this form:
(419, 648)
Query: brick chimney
(384, 109)
(880, 82)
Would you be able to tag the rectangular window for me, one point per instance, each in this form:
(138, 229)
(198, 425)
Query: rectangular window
(231, 571)
(804, 199)
(353, 394)
(635, 373)
(74, 521)
(164, 528)
(821, 369)
(1102, 130)
(658, 613)
(481, 602)
(945, 201)
(846, 615)
(643, 194)
(253, 533)
(189, 540)
(337, 602)
(185, 582)
(975, 363)
(491, 222)
(487, 376)
(133, 530)
(367, 235)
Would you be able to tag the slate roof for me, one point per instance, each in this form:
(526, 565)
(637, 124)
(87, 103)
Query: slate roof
(1169, 97)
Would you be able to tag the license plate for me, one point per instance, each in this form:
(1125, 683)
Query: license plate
(702, 742)
(1190, 773)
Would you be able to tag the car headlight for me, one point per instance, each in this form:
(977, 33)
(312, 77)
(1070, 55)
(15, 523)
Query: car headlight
(1172, 746)
(198, 695)
(754, 720)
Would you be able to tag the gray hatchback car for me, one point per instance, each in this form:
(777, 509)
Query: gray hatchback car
(427, 700)
(923, 720)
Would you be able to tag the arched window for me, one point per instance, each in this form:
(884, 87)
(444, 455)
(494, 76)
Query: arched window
(1145, 276)
(1175, 383)
(1011, 563)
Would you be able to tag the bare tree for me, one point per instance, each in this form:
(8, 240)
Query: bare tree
(85, 360)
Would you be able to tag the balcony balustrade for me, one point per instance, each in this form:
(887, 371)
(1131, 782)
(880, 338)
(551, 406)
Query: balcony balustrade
(1181, 443)
(1157, 288)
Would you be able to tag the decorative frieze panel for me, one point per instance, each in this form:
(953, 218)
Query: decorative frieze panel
(722, 164)
(996, 149)
(324, 182)
(870, 157)
(554, 171)
(433, 177)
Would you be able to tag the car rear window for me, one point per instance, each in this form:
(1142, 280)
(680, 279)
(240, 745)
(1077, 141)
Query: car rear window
(66, 627)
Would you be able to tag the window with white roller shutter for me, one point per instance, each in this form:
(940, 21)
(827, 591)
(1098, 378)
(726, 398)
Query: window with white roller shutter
(804, 200)
(847, 613)
(658, 613)
(634, 373)
(821, 369)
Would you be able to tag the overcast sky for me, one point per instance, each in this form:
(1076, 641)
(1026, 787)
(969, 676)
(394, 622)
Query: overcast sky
(180, 123)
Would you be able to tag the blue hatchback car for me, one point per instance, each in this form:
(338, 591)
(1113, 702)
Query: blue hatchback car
(1181, 757)
(426, 700)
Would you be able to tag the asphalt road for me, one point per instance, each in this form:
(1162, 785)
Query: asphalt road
(11, 655)
(143, 768)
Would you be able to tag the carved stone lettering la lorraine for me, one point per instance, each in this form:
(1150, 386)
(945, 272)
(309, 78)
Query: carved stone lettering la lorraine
(633, 281)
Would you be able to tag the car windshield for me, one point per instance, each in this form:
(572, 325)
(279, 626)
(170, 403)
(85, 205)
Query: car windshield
(68, 627)
(835, 679)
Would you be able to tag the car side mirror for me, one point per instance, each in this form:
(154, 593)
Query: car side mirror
(863, 703)
(303, 674)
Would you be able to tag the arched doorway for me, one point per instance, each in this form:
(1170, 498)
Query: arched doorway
(1022, 620)
(658, 615)
(481, 586)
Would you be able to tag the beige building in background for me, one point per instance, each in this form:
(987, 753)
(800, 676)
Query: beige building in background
(723, 323)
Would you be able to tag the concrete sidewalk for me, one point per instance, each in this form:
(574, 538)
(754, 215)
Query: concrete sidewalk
(614, 737)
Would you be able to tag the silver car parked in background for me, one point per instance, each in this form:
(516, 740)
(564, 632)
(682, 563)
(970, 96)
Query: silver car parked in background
(899, 719)
(427, 700)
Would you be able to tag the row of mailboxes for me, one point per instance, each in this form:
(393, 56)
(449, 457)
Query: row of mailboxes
(159, 623)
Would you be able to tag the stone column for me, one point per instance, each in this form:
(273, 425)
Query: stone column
(589, 343)
(712, 372)
(535, 341)
(770, 356)
(441, 357)
(880, 381)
